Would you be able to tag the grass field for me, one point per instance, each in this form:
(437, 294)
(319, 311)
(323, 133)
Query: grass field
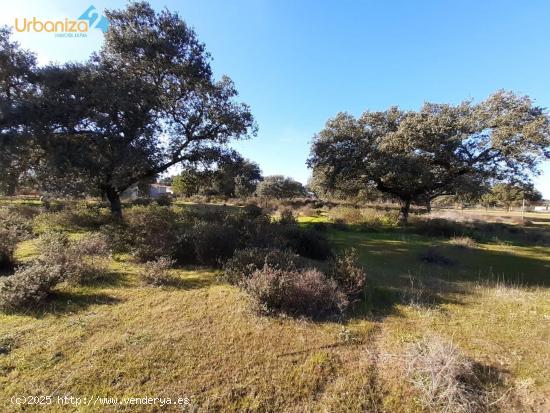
(201, 340)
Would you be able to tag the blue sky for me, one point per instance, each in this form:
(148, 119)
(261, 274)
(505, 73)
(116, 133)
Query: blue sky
(297, 63)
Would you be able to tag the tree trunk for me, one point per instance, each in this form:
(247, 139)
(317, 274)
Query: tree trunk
(429, 205)
(404, 212)
(114, 198)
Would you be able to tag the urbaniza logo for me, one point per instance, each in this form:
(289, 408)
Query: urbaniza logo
(90, 19)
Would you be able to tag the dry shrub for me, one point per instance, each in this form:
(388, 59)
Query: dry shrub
(299, 293)
(164, 200)
(375, 218)
(349, 274)
(78, 216)
(151, 232)
(214, 243)
(156, 273)
(29, 285)
(305, 242)
(287, 217)
(8, 242)
(309, 211)
(443, 377)
(347, 215)
(462, 242)
(14, 227)
(78, 261)
(436, 227)
(246, 261)
(18, 220)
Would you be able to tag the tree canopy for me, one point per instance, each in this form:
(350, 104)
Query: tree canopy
(147, 101)
(441, 149)
(229, 176)
(280, 187)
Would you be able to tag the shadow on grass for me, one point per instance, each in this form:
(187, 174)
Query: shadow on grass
(62, 302)
(189, 283)
(382, 301)
(108, 279)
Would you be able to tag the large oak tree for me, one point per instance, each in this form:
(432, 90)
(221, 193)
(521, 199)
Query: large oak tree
(147, 101)
(439, 150)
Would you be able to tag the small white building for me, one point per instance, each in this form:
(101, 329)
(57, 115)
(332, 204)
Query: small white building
(154, 191)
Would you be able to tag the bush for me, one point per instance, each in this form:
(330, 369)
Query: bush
(244, 262)
(437, 227)
(287, 217)
(443, 377)
(17, 220)
(29, 285)
(141, 201)
(300, 293)
(308, 211)
(8, 242)
(77, 216)
(14, 227)
(306, 242)
(253, 211)
(164, 200)
(77, 262)
(347, 215)
(214, 243)
(151, 232)
(156, 272)
(348, 274)
(376, 218)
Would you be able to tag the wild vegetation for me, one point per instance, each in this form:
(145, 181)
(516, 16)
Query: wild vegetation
(374, 328)
(390, 283)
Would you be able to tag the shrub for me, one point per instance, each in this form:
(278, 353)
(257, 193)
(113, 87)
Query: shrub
(77, 262)
(156, 272)
(29, 285)
(308, 211)
(376, 218)
(252, 211)
(78, 216)
(437, 227)
(214, 243)
(244, 262)
(8, 242)
(347, 215)
(17, 220)
(152, 232)
(14, 227)
(300, 293)
(164, 200)
(287, 217)
(306, 242)
(141, 201)
(443, 377)
(348, 274)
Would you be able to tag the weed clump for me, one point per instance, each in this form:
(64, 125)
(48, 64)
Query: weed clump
(443, 376)
(156, 273)
(462, 242)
